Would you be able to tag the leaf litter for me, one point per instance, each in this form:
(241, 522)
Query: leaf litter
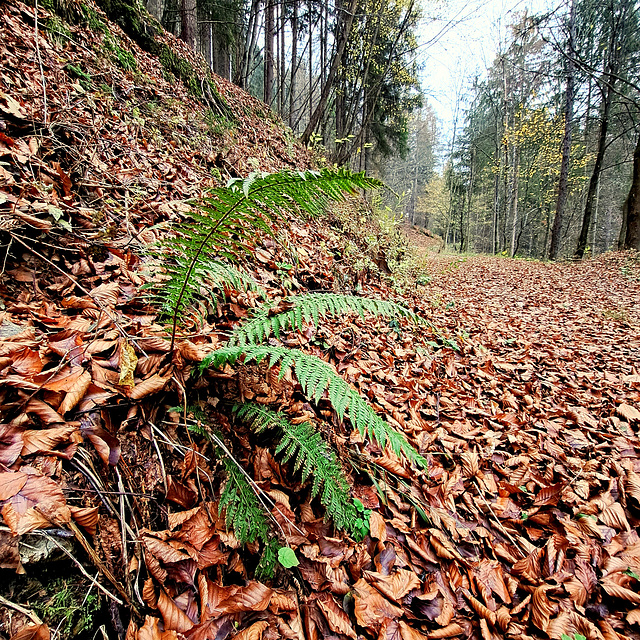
(525, 524)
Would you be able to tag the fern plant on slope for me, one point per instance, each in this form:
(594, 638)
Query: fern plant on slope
(232, 216)
(229, 218)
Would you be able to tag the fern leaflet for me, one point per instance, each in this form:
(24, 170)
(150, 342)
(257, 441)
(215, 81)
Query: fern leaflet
(313, 458)
(231, 216)
(316, 377)
(311, 307)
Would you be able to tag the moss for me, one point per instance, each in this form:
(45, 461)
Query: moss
(130, 18)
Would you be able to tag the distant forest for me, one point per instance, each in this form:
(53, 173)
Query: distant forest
(544, 160)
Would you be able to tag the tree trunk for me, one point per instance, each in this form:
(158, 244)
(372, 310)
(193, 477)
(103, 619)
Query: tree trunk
(294, 63)
(632, 207)
(269, 29)
(597, 169)
(189, 22)
(343, 37)
(563, 185)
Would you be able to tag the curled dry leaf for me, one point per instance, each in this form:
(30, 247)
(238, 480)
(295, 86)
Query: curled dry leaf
(336, 618)
(175, 619)
(450, 631)
(33, 632)
(616, 591)
(371, 608)
(254, 632)
(151, 385)
(541, 608)
(75, 393)
(86, 517)
(479, 608)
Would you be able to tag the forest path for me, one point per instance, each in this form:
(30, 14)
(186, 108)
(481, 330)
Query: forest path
(543, 338)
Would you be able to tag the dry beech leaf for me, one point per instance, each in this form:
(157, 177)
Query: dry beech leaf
(254, 632)
(394, 586)
(450, 631)
(372, 608)
(33, 632)
(616, 591)
(390, 630)
(255, 596)
(175, 619)
(390, 462)
(608, 632)
(11, 444)
(128, 364)
(633, 617)
(541, 608)
(86, 517)
(151, 385)
(409, 633)
(75, 393)
(151, 631)
(614, 517)
(479, 608)
(282, 602)
(45, 440)
(378, 526)
(337, 619)
(628, 412)
(503, 618)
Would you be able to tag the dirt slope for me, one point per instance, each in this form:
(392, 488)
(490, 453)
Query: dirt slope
(523, 397)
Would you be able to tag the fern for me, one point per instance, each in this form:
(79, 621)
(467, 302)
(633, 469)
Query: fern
(316, 377)
(230, 217)
(210, 275)
(310, 308)
(313, 458)
(244, 513)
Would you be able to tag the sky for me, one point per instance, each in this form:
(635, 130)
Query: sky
(459, 39)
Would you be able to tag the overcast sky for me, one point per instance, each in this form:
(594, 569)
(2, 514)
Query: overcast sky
(462, 41)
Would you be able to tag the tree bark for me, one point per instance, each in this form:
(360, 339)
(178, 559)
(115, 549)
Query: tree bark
(597, 170)
(269, 28)
(189, 22)
(563, 184)
(343, 37)
(632, 207)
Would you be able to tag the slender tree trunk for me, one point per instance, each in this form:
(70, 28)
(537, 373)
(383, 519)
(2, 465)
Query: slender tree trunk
(563, 185)
(269, 28)
(597, 170)
(632, 207)
(514, 198)
(294, 63)
(343, 37)
(189, 22)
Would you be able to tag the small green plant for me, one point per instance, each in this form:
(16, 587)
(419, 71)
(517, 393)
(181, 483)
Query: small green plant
(202, 253)
(124, 58)
(576, 636)
(68, 606)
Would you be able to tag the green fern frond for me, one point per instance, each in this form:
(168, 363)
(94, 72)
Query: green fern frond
(231, 216)
(311, 307)
(210, 276)
(243, 512)
(313, 459)
(316, 377)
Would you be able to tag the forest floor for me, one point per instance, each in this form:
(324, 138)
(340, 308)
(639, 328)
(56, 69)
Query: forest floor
(522, 393)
